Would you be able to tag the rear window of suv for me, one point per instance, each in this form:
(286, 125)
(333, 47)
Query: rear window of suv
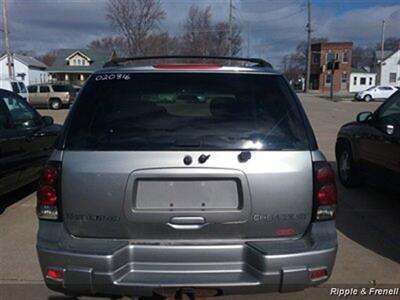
(175, 111)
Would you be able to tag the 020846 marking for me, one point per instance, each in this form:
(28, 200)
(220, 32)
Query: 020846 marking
(118, 76)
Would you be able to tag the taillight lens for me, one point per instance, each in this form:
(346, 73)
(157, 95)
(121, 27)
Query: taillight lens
(318, 274)
(48, 196)
(55, 274)
(325, 193)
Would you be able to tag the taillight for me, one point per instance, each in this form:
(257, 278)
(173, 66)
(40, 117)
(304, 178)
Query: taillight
(48, 193)
(55, 274)
(325, 193)
(318, 274)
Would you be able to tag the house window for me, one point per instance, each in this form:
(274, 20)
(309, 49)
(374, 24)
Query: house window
(392, 77)
(363, 80)
(345, 57)
(330, 57)
(355, 80)
(370, 81)
(344, 77)
(328, 79)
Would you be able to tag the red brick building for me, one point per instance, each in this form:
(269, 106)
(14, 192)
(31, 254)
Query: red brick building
(320, 77)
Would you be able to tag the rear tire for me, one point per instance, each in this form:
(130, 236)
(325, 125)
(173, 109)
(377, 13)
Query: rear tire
(346, 167)
(55, 104)
(368, 98)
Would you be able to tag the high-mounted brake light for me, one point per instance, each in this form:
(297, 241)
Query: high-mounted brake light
(325, 193)
(187, 66)
(48, 196)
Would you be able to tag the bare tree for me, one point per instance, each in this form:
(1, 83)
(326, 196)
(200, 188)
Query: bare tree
(293, 65)
(198, 32)
(136, 20)
(391, 44)
(221, 39)
(49, 57)
(362, 57)
(162, 44)
(115, 43)
(202, 37)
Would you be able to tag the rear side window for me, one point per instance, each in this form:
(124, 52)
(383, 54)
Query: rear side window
(32, 89)
(23, 116)
(44, 89)
(15, 87)
(22, 87)
(186, 111)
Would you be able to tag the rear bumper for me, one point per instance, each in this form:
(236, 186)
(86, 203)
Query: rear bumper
(101, 267)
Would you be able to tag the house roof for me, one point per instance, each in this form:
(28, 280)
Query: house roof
(361, 70)
(98, 59)
(28, 61)
(386, 54)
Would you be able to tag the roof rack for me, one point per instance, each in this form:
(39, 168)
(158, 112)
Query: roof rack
(119, 60)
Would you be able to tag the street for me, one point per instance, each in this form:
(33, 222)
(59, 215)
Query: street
(367, 222)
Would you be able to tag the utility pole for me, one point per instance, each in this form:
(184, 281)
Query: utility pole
(308, 66)
(230, 27)
(382, 50)
(7, 41)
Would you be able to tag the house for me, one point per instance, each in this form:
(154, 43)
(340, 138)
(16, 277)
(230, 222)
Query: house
(74, 66)
(26, 68)
(321, 76)
(389, 70)
(361, 79)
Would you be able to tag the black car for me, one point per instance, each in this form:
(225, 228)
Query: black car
(369, 149)
(26, 141)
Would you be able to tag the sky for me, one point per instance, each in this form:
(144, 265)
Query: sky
(271, 28)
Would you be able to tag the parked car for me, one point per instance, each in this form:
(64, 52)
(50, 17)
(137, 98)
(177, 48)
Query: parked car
(369, 149)
(54, 96)
(376, 92)
(231, 194)
(26, 141)
(14, 86)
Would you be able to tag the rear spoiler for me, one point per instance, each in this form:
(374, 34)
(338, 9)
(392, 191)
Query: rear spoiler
(118, 61)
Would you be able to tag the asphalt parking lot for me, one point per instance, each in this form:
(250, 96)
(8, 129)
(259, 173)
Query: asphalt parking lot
(367, 221)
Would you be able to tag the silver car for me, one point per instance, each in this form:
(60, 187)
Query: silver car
(196, 179)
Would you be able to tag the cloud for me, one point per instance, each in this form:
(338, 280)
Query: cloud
(363, 26)
(274, 27)
(42, 25)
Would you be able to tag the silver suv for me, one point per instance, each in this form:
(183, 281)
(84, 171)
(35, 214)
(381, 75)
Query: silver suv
(187, 178)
